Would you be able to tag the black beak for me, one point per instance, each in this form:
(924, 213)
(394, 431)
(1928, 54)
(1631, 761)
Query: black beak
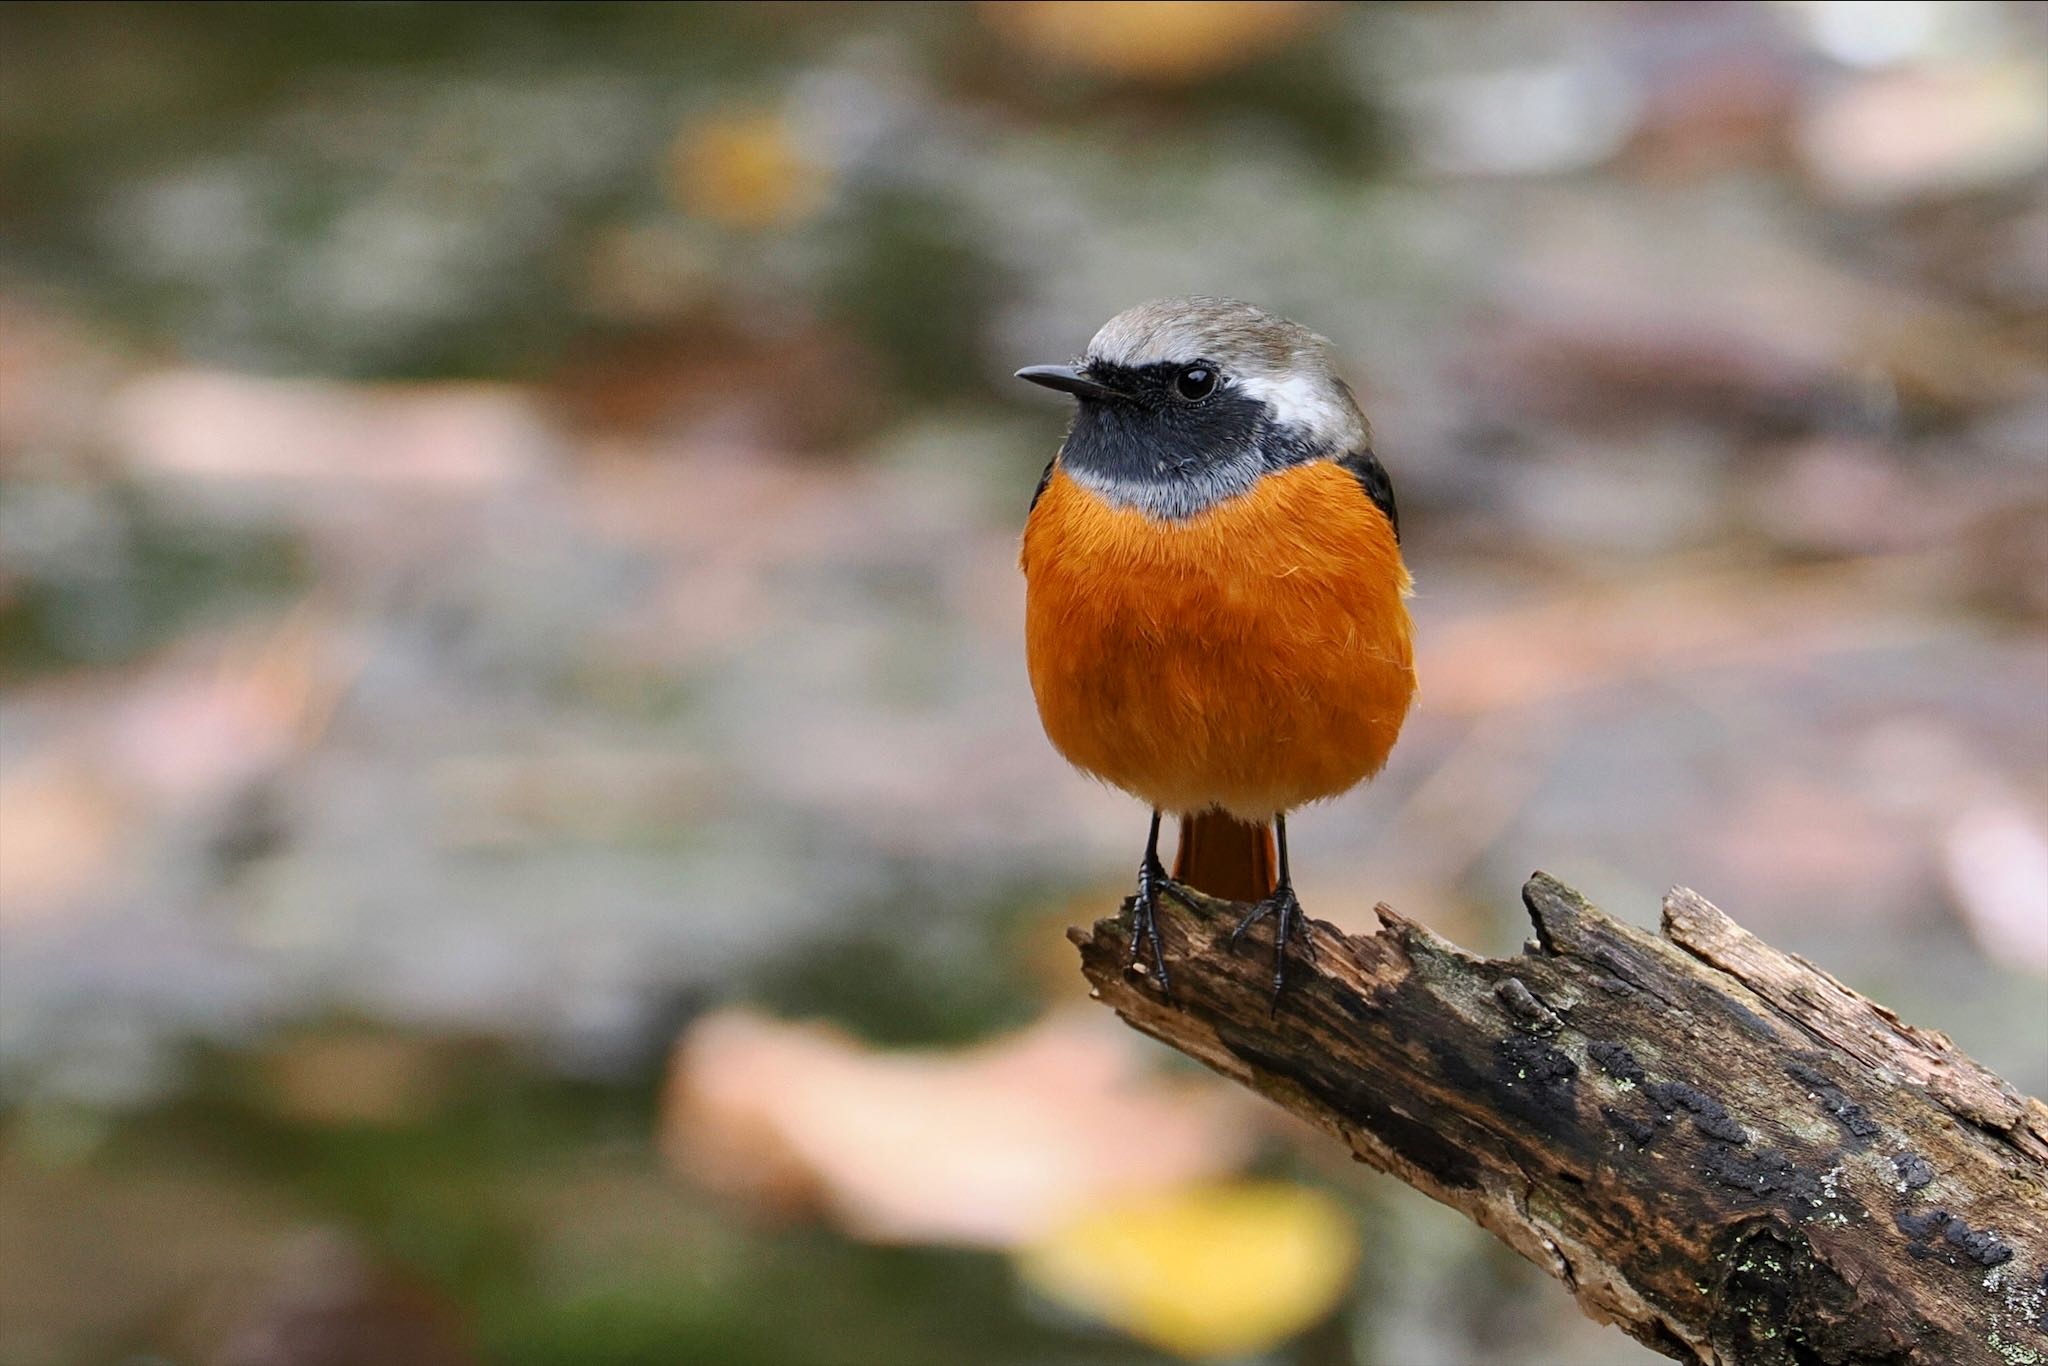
(1067, 380)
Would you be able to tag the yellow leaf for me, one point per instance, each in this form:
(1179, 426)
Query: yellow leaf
(1205, 1270)
(1162, 40)
(744, 171)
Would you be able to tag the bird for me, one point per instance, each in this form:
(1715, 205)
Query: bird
(1216, 605)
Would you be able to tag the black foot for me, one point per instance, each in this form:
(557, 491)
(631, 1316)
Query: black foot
(1143, 906)
(1291, 924)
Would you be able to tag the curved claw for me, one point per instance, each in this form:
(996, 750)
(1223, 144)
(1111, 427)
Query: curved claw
(1293, 926)
(1258, 912)
(1144, 907)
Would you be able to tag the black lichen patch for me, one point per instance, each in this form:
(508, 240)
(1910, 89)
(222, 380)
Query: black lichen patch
(1918, 1228)
(1747, 1018)
(1367, 1106)
(1640, 1130)
(1525, 1007)
(1529, 1064)
(1617, 1062)
(1846, 1112)
(1372, 1011)
(1915, 1172)
(1709, 1116)
(1959, 1244)
(1627, 967)
(1982, 1247)
(1766, 1174)
(1778, 1304)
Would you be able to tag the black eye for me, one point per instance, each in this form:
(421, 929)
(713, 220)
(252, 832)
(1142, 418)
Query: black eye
(1195, 383)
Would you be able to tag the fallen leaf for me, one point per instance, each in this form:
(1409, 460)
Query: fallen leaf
(1571, 644)
(62, 823)
(359, 1077)
(1208, 1270)
(1996, 857)
(178, 739)
(1152, 40)
(234, 430)
(744, 171)
(1929, 131)
(993, 1145)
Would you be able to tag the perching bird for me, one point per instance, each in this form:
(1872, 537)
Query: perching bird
(1215, 609)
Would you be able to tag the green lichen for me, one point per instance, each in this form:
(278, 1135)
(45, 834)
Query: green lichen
(2017, 1354)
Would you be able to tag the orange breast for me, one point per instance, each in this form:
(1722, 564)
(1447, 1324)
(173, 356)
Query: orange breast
(1252, 658)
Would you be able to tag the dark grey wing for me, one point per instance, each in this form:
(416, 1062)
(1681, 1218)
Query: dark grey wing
(1043, 480)
(1371, 475)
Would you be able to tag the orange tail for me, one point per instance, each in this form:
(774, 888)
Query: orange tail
(1224, 857)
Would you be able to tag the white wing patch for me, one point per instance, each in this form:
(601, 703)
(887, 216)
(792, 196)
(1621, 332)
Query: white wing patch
(1308, 404)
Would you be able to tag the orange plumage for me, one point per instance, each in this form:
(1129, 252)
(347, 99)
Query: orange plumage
(1251, 658)
(1215, 615)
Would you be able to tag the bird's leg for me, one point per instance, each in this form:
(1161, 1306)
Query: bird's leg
(1291, 923)
(1144, 904)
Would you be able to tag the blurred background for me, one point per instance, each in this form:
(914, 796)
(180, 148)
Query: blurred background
(523, 833)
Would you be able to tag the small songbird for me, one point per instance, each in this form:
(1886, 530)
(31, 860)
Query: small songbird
(1215, 609)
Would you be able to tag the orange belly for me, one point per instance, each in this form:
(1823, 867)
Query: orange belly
(1252, 658)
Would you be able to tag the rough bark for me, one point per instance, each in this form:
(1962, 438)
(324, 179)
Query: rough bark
(1711, 1143)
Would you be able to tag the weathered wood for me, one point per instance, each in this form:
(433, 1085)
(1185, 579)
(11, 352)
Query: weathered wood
(1711, 1143)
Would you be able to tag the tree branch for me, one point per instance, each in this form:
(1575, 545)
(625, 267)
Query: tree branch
(1711, 1143)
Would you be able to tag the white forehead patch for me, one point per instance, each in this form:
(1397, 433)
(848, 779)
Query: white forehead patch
(1197, 328)
(1138, 338)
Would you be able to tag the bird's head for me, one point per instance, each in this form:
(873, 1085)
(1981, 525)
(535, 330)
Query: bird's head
(1187, 402)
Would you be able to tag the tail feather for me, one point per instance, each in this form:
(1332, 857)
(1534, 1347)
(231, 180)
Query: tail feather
(1226, 857)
